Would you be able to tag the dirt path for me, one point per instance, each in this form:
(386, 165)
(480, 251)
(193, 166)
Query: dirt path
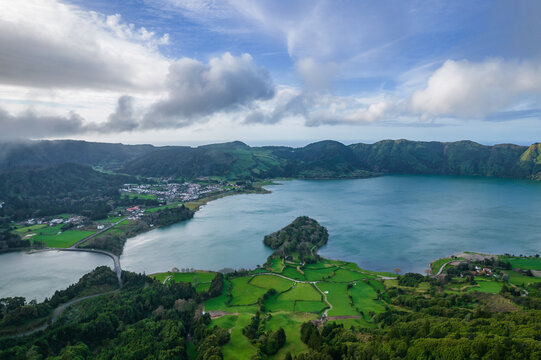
(314, 283)
(325, 299)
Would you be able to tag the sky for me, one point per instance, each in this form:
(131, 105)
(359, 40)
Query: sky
(191, 72)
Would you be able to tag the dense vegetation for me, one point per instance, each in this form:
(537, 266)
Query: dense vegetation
(143, 320)
(58, 189)
(46, 152)
(15, 311)
(325, 159)
(482, 335)
(331, 159)
(9, 240)
(299, 239)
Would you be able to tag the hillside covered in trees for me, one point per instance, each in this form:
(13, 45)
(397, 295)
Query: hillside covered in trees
(300, 239)
(324, 159)
(56, 189)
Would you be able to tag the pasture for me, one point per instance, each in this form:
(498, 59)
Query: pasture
(52, 236)
(271, 282)
(337, 296)
(364, 298)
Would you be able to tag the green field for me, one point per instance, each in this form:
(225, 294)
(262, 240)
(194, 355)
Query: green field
(277, 265)
(436, 265)
(244, 293)
(238, 347)
(219, 302)
(309, 306)
(202, 276)
(519, 279)
(364, 298)
(484, 285)
(526, 263)
(52, 236)
(202, 287)
(275, 304)
(337, 297)
(342, 275)
(319, 274)
(139, 196)
(29, 229)
(291, 324)
(301, 292)
(292, 273)
(487, 286)
(271, 282)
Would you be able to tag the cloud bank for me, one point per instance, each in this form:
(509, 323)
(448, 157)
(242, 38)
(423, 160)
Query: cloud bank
(48, 44)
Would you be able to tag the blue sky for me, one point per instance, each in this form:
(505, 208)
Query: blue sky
(270, 72)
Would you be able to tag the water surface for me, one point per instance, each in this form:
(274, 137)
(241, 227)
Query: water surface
(39, 275)
(380, 223)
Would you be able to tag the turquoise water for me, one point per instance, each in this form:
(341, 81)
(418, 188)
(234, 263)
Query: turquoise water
(379, 223)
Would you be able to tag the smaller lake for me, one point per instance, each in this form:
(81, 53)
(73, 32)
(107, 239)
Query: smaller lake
(39, 275)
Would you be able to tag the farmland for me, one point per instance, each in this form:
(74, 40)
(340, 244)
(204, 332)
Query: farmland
(53, 236)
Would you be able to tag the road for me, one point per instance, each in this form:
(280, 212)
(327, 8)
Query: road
(116, 259)
(97, 233)
(56, 314)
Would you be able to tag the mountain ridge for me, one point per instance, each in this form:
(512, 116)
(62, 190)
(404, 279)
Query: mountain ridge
(323, 159)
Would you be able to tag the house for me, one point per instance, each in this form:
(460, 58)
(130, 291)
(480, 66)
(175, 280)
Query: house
(100, 227)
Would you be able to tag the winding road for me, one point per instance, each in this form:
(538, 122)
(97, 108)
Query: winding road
(117, 269)
(57, 312)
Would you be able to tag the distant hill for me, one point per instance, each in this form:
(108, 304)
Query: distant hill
(531, 160)
(56, 189)
(320, 160)
(45, 152)
(235, 160)
(454, 158)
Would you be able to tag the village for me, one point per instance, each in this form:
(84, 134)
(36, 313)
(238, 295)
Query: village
(164, 191)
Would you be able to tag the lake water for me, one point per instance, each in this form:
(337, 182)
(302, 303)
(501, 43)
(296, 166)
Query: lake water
(39, 275)
(380, 223)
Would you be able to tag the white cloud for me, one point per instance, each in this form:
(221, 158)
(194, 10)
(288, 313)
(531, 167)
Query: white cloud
(196, 90)
(316, 75)
(48, 44)
(29, 124)
(372, 113)
(468, 89)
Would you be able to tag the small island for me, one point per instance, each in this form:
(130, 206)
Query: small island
(298, 305)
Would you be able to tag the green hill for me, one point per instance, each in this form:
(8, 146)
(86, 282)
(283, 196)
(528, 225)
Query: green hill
(320, 160)
(45, 152)
(530, 160)
(57, 189)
